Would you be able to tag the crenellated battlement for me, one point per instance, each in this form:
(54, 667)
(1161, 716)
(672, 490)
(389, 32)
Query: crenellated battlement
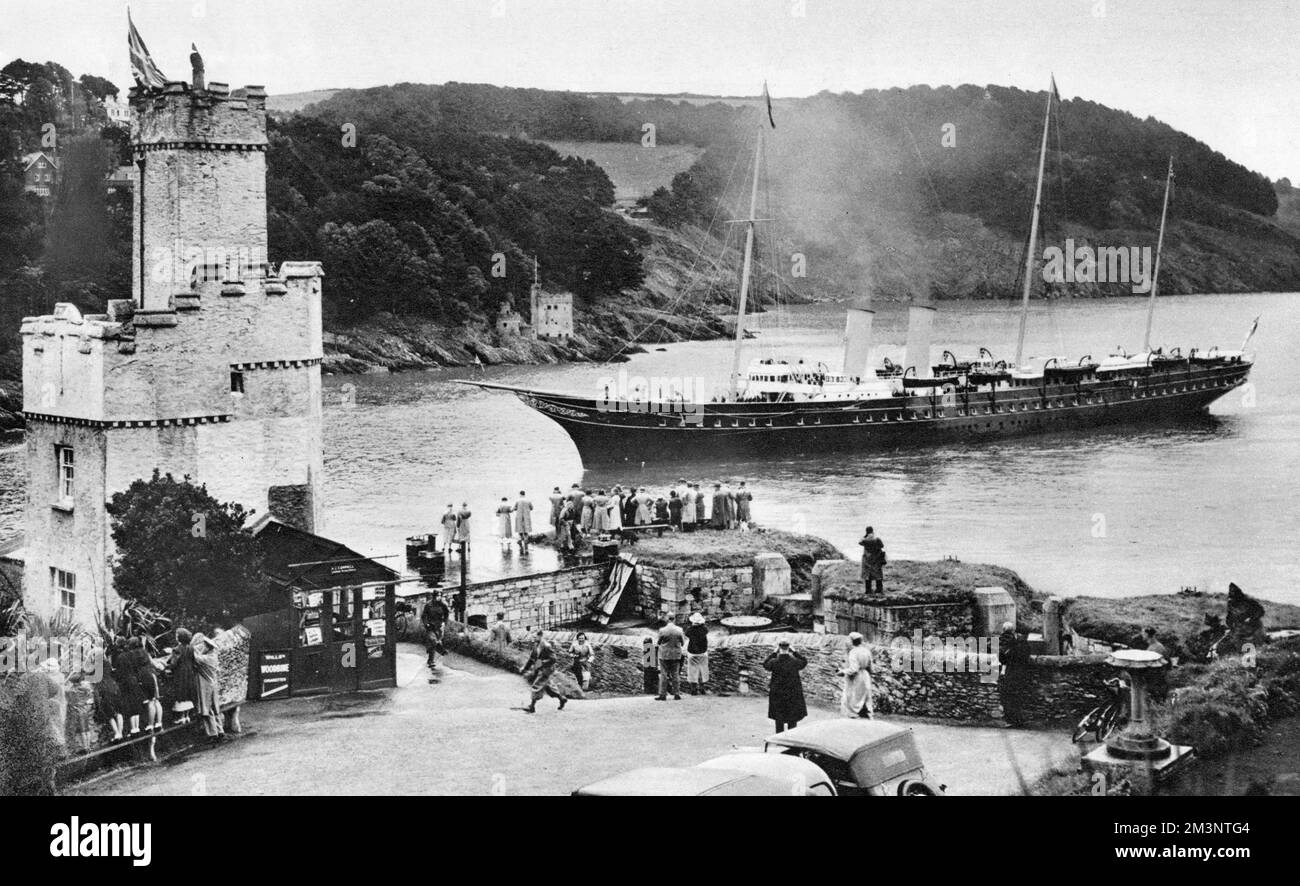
(177, 116)
(210, 371)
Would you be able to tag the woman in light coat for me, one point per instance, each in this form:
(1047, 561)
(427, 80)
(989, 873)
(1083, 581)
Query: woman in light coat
(856, 700)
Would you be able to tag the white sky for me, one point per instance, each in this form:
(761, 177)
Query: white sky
(1225, 71)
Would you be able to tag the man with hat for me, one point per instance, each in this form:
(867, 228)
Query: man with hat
(785, 701)
(697, 654)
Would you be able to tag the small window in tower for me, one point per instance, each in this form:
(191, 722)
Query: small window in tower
(66, 467)
(65, 586)
(236, 382)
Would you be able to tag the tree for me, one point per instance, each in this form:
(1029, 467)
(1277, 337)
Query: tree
(182, 551)
(99, 87)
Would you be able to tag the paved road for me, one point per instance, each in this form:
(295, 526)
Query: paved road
(465, 733)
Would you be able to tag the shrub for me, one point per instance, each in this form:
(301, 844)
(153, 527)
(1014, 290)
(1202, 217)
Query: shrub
(28, 748)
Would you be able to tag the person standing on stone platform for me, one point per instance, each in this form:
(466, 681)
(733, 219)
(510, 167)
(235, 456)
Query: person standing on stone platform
(599, 513)
(505, 531)
(785, 702)
(718, 519)
(743, 498)
(873, 561)
(688, 509)
(699, 505)
(557, 505)
(523, 521)
(564, 528)
(448, 528)
(462, 525)
(674, 510)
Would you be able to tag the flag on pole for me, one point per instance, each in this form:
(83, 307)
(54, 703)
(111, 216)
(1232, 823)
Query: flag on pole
(768, 99)
(1056, 96)
(143, 69)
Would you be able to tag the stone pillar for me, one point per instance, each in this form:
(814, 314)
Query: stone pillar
(1052, 626)
(993, 608)
(771, 576)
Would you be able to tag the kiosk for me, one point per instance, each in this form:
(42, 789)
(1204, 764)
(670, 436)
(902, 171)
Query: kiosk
(330, 628)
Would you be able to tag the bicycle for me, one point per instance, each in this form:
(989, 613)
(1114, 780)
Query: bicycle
(1103, 720)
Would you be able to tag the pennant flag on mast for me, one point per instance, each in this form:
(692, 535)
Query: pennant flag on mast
(767, 98)
(143, 69)
(1056, 96)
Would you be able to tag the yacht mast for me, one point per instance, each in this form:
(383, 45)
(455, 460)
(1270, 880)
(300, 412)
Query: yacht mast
(1155, 273)
(748, 265)
(1033, 228)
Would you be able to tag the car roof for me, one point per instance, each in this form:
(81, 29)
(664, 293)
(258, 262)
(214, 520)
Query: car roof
(839, 738)
(783, 767)
(685, 781)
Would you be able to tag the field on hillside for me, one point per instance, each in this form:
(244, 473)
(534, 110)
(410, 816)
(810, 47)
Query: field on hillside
(635, 170)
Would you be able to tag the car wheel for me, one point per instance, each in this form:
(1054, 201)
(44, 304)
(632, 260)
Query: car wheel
(914, 788)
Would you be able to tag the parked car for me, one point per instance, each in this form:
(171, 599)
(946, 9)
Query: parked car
(686, 781)
(861, 757)
(800, 776)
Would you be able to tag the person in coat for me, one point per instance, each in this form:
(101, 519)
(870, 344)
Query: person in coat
(582, 653)
(128, 679)
(688, 510)
(671, 641)
(661, 515)
(785, 701)
(718, 519)
(856, 700)
(207, 697)
(108, 701)
(448, 529)
(674, 510)
(557, 505)
(699, 505)
(462, 525)
(614, 510)
(523, 521)
(180, 668)
(743, 498)
(599, 522)
(873, 561)
(697, 654)
(630, 505)
(564, 528)
(644, 508)
(542, 662)
(1013, 678)
(505, 531)
(729, 499)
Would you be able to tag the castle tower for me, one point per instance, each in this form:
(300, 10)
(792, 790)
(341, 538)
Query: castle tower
(551, 313)
(212, 370)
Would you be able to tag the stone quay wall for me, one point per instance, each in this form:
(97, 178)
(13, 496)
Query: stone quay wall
(878, 622)
(715, 591)
(530, 601)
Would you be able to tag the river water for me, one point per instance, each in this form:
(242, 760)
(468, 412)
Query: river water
(1109, 513)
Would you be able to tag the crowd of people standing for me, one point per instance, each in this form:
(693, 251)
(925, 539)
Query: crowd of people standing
(582, 514)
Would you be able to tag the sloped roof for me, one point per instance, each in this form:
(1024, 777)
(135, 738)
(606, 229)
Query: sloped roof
(305, 560)
(29, 159)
